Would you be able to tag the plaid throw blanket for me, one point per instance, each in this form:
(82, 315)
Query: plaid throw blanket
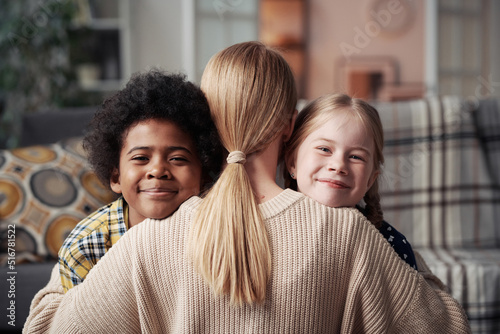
(487, 122)
(440, 188)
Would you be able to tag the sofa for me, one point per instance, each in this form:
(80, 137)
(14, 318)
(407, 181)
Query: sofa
(440, 187)
(46, 188)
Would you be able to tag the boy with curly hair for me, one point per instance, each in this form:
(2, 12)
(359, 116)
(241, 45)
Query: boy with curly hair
(154, 143)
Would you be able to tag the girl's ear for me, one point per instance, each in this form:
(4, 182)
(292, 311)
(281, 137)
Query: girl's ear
(290, 164)
(287, 134)
(114, 183)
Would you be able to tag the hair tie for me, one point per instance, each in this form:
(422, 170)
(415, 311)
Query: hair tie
(236, 157)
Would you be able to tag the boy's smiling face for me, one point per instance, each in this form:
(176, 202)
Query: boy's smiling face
(159, 169)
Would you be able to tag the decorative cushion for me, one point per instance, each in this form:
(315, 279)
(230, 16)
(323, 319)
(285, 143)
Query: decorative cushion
(44, 192)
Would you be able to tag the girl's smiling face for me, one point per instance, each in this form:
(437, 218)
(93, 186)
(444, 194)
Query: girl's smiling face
(334, 164)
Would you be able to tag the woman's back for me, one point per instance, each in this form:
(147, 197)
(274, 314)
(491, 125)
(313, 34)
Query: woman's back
(320, 281)
(299, 294)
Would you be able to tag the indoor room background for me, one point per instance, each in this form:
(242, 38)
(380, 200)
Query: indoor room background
(431, 67)
(374, 49)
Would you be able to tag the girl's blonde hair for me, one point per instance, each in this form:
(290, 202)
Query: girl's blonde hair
(251, 92)
(316, 113)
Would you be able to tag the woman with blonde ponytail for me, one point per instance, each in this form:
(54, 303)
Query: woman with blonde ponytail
(229, 243)
(250, 257)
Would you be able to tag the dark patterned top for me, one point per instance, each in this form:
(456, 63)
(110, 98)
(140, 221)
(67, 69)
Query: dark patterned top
(397, 240)
(399, 243)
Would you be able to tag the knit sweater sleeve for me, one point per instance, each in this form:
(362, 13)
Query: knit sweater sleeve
(44, 304)
(388, 296)
(98, 305)
(425, 271)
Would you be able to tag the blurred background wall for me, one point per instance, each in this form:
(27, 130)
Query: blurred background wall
(373, 49)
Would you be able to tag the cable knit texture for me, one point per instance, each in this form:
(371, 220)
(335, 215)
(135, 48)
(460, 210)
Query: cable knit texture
(332, 271)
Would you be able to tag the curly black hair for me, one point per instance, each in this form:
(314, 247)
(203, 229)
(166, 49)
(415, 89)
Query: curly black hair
(154, 94)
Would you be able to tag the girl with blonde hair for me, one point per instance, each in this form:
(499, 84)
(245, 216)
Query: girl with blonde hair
(250, 257)
(335, 157)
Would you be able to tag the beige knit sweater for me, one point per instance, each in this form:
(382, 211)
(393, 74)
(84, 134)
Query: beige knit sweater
(333, 272)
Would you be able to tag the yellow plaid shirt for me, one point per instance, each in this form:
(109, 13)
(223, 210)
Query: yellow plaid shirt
(90, 240)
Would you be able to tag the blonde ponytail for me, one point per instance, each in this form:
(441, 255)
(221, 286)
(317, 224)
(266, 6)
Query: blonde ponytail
(228, 243)
(231, 239)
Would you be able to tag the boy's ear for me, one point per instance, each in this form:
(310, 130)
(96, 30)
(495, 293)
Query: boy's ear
(115, 181)
(287, 134)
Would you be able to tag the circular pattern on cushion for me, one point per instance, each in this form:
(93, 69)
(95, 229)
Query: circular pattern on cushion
(91, 183)
(57, 232)
(35, 154)
(44, 192)
(53, 188)
(11, 198)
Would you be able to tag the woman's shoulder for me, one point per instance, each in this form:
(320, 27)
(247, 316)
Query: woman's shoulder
(322, 208)
(182, 215)
(296, 206)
